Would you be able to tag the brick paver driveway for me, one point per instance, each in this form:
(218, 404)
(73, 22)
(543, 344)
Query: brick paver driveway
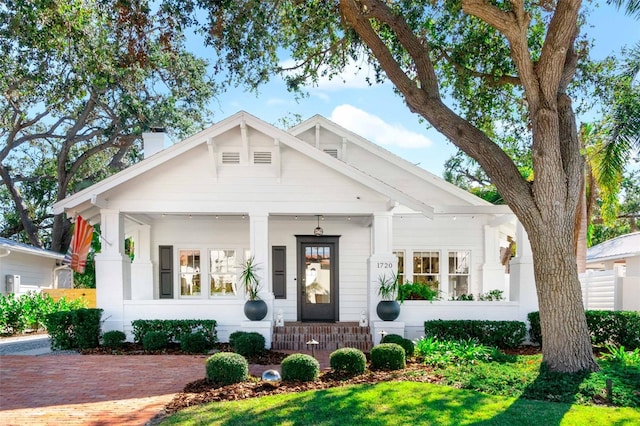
(91, 389)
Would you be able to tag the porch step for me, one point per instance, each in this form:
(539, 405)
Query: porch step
(294, 336)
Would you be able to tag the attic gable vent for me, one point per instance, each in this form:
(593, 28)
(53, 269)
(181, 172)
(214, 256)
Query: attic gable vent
(332, 152)
(230, 158)
(262, 157)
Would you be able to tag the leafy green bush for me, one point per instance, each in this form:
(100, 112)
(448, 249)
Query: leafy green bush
(301, 367)
(406, 344)
(349, 361)
(113, 339)
(155, 341)
(418, 291)
(195, 343)
(60, 329)
(29, 311)
(234, 336)
(491, 296)
(174, 328)
(388, 356)
(79, 328)
(621, 355)
(441, 353)
(86, 327)
(226, 368)
(249, 344)
(618, 328)
(501, 334)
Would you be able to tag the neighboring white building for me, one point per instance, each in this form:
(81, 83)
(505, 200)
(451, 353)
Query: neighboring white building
(25, 268)
(243, 187)
(612, 280)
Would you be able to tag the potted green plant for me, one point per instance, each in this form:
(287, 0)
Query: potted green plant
(388, 308)
(255, 308)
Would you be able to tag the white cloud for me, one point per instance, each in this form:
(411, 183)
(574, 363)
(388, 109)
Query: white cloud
(354, 76)
(376, 129)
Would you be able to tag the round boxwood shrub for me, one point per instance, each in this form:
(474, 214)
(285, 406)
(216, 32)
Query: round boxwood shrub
(388, 356)
(226, 368)
(194, 343)
(301, 367)
(155, 341)
(234, 336)
(406, 344)
(348, 360)
(113, 339)
(249, 344)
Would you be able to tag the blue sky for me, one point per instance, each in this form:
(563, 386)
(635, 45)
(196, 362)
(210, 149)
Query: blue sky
(381, 116)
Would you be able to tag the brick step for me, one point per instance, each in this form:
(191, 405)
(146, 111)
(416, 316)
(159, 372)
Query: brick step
(294, 336)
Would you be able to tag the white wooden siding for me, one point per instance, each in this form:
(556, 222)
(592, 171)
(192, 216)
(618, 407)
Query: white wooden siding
(599, 289)
(35, 271)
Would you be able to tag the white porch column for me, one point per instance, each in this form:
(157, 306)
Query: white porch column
(113, 270)
(259, 246)
(141, 267)
(522, 279)
(382, 262)
(493, 275)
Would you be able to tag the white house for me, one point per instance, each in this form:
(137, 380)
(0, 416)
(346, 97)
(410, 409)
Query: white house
(245, 188)
(25, 268)
(612, 280)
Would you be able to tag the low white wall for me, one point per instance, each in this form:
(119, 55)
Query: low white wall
(415, 312)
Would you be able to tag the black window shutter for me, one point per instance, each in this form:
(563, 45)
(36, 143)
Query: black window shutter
(279, 259)
(166, 272)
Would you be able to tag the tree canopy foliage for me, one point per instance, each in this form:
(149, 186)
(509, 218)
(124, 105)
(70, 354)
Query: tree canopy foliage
(79, 85)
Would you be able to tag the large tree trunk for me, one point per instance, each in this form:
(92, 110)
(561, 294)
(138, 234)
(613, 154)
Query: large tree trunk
(28, 225)
(566, 342)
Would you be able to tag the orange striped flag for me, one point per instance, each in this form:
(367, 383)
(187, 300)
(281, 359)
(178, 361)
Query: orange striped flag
(76, 256)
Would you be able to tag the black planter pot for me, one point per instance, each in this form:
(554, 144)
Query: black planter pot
(255, 310)
(388, 310)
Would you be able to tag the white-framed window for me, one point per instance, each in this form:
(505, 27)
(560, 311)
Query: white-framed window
(426, 268)
(401, 274)
(223, 276)
(459, 261)
(190, 272)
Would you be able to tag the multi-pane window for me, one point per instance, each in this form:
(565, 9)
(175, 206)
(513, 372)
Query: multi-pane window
(459, 272)
(223, 276)
(400, 256)
(190, 273)
(426, 268)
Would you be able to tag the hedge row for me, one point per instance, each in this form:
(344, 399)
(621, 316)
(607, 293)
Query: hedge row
(174, 329)
(618, 328)
(501, 334)
(28, 311)
(76, 329)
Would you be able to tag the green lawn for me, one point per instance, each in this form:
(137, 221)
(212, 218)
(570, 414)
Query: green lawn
(399, 403)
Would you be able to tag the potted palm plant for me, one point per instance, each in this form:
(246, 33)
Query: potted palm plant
(255, 308)
(388, 308)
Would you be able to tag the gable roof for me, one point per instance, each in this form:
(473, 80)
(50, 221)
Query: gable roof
(90, 195)
(618, 248)
(392, 158)
(7, 246)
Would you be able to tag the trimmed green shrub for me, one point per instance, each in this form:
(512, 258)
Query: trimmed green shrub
(86, 327)
(618, 328)
(249, 344)
(301, 367)
(79, 328)
(226, 368)
(60, 329)
(418, 291)
(195, 343)
(388, 356)
(174, 328)
(350, 361)
(155, 341)
(501, 334)
(406, 344)
(113, 339)
(234, 336)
